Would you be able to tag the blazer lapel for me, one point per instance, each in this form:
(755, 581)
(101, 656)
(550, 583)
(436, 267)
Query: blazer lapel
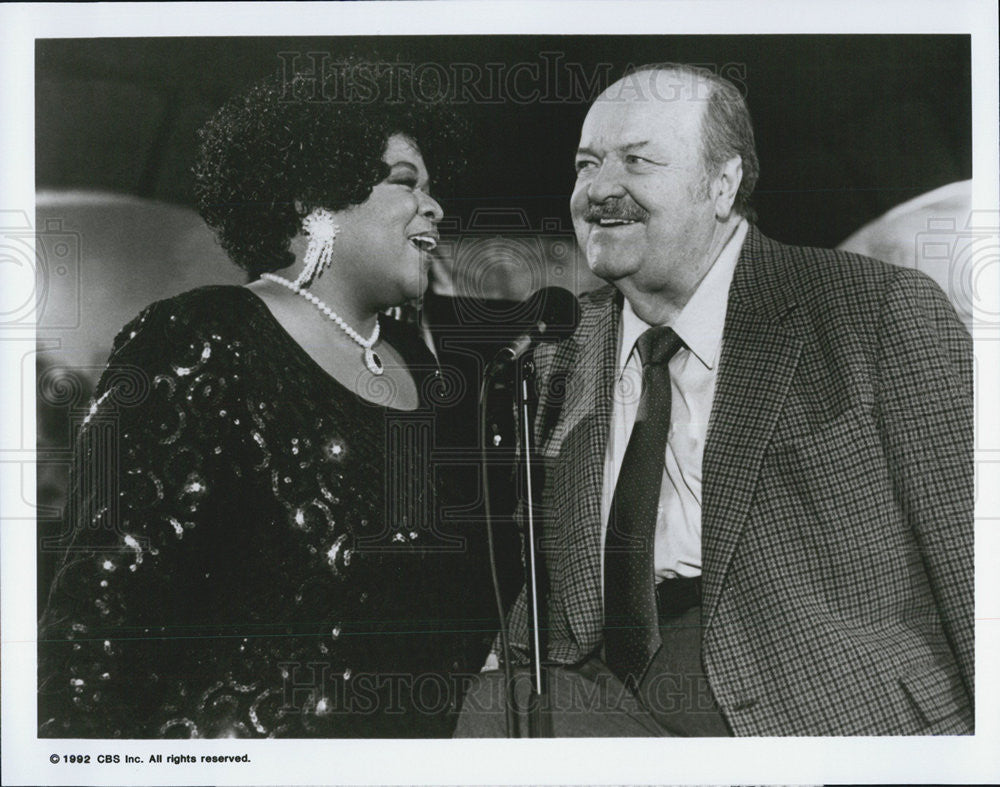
(759, 357)
(580, 439)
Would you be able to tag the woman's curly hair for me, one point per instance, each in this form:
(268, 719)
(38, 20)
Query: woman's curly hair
(271, 155)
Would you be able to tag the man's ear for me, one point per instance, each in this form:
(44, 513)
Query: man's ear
(725, 186)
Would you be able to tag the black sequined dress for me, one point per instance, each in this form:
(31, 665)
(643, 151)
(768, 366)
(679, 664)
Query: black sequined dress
(254, 548)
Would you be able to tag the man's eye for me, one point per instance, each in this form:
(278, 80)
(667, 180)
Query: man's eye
(633, 159)
(410, 183)
(585, 164)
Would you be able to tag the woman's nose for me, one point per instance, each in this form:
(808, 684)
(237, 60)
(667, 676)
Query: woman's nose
(431, 209)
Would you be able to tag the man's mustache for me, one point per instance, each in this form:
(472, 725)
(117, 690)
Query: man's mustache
(615, 209)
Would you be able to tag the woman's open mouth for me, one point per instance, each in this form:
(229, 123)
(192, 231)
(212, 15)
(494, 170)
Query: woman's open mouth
(424, 241)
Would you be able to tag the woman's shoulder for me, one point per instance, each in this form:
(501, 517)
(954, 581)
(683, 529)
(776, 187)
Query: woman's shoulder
(213, 311)
(220, 304)
(209, 328)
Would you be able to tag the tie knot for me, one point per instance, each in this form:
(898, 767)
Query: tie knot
(657, 345)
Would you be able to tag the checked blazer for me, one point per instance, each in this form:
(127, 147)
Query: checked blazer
(837, 510)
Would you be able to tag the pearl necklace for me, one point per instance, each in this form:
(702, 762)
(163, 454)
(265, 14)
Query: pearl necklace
(372, 360)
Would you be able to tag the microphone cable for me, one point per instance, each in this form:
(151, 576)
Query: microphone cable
(505, 652)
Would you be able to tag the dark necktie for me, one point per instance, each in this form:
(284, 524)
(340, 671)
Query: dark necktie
(631, 630)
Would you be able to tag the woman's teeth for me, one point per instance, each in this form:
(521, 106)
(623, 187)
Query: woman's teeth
(424, 242)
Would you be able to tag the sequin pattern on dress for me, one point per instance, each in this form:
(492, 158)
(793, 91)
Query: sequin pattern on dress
(215, 585)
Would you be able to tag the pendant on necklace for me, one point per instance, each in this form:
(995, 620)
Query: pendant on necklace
(373, 362)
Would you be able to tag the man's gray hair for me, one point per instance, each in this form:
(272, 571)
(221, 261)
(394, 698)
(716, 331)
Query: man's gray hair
(726, 129)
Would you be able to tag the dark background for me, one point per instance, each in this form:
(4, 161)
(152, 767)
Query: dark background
(847, 126)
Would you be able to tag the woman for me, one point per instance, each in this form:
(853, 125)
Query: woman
(255, 551)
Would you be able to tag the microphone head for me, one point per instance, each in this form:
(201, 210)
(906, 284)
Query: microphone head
(553, 314)
(556, 313)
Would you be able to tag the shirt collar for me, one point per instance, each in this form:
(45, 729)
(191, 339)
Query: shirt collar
(701, 321)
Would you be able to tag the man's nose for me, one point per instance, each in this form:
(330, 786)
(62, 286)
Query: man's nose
(605, 183)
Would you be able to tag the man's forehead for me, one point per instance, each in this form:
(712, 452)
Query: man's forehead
(628, 119)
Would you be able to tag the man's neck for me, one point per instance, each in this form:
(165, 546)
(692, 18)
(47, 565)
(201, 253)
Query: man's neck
(661, 306)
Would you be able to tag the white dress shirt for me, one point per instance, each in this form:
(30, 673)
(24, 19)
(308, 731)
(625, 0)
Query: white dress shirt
(693, 372)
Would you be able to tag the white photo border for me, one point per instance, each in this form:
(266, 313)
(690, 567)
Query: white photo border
(784, 760)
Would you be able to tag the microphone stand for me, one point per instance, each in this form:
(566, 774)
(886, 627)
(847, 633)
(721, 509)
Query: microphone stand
(539, 710)
(524, 399)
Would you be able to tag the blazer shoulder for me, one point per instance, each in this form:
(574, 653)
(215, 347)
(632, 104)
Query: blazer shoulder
(827, 284)
(812, 266)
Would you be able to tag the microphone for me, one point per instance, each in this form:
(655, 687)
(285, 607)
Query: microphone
(553, 313)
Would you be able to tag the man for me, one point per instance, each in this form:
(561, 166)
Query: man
(795, 556)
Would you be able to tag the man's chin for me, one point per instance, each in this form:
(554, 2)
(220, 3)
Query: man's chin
(609, 269)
